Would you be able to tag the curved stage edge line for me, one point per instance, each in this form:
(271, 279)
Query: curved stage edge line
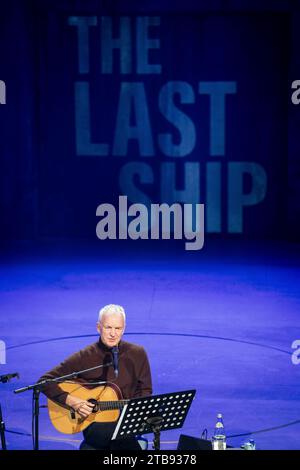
(188, 335)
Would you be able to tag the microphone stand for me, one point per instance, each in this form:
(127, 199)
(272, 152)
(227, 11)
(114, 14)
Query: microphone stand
(3, 379)
(37, 387)
(2, 431)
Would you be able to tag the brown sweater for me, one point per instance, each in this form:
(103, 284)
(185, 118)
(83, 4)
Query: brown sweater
(134, 377)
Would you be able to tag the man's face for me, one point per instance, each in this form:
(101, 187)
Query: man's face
(111, 329)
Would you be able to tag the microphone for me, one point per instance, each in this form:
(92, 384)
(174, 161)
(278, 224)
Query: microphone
(7, 377)
(115, 355)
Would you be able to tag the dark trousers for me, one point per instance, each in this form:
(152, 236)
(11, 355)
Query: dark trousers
(98, 436)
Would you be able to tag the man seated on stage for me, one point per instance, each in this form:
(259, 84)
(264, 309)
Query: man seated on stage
(133, 378)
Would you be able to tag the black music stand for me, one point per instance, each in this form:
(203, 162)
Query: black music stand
(154, 413)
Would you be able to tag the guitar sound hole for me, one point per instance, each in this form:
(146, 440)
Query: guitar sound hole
(95, 403)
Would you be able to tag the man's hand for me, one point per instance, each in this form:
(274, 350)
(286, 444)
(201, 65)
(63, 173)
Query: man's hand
(83, 407)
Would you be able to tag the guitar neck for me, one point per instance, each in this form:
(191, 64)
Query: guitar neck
(111, 405)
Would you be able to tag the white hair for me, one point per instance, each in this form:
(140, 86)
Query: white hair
(112, 309)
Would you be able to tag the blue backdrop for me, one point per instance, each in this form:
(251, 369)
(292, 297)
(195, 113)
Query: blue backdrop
(166, 104)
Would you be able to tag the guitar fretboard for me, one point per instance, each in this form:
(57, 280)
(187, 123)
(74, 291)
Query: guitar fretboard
(111, 405)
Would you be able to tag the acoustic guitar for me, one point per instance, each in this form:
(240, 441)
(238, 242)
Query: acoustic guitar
(107, 405)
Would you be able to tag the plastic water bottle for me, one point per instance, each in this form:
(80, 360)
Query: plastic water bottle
(219, 437)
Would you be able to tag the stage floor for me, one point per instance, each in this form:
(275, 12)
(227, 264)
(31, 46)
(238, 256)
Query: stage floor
(221, 320)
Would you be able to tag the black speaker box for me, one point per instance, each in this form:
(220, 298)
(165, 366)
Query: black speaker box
(193, 443)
